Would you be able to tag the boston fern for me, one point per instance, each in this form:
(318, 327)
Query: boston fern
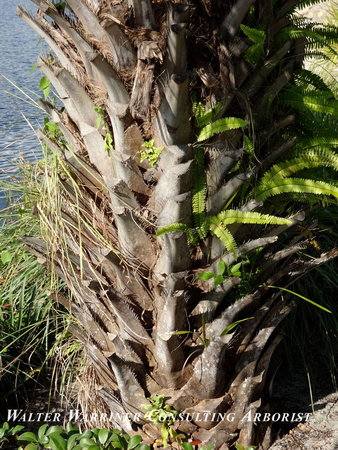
(217, 225)
(279, 179)
(131, 235)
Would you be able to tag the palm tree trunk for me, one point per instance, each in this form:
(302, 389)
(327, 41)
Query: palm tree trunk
(138, 71)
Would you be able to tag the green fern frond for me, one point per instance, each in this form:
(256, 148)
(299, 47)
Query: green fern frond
(218, 224)
(257, 36)
(199, 111)
(203, 117)
(305, 3)
(255, 53)
(199, 192)
(320, 143)
(225, 124)
(311, 159)
(310, 100)
(318, 35)
(283, 201)
(295, 185)
(319, 156)
(218, 229)
(306, 77)
(249, 146)
(194, 103)
(235, 216)
(173, 228)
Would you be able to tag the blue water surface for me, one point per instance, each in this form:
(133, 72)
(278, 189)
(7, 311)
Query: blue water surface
(19, 49)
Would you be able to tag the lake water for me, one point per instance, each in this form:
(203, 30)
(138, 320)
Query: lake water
(19, 50)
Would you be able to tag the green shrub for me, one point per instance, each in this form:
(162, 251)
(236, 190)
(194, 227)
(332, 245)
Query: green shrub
(56, 438)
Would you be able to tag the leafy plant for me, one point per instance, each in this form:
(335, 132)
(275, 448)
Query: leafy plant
(55, 438)
(222, 273)
(255, 53)
(151, 153)
(203, 337)
(45, 86)
(7, 434)
(158, 412)
(101, 124)
(217, 225)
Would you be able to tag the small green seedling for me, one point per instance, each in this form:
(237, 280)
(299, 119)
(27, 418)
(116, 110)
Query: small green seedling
(223, 272)
(203, 338)
(7, 434)
(151, 153)
(158, 412)
(100, 123)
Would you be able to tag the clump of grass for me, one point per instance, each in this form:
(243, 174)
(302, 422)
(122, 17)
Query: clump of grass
(311, 332)
(36, 345)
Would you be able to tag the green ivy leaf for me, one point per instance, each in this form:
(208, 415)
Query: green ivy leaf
(57, 442)
(85, 442)
(46, 92)
(221, 267)
(71, 427)
(44, 82)
(218, 280)
(44, 440)
(55, 429)
(103, 435)
(27, 437)
(31, 446)
(42, 431)
(17, 429)
(71, 441)
(86, 434)
(206, 276)
(234, 270)
(134, 441)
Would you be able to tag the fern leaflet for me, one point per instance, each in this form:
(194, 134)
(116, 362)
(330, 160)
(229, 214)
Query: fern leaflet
(297, 185)
(235, 216)
(199, 192)
(255, 53)
(310, 100)
(218, 229)
(225, 124)
(203, 117)
(173, 228)
(217, 224)
(257, 36)
(312, 159)
(249, 146)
